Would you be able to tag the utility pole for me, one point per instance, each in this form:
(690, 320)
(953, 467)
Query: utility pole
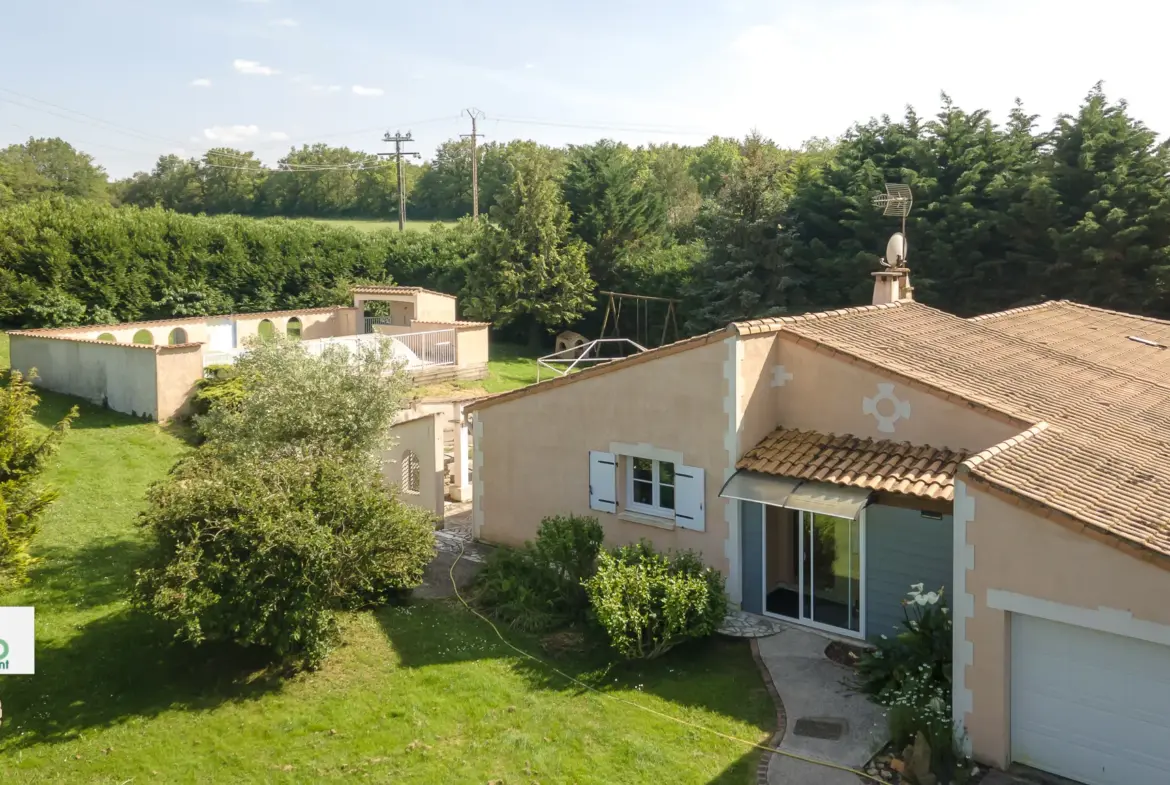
(398, 139)
(474, 114)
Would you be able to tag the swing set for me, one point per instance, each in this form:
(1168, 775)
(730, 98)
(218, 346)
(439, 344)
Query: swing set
(641, 317)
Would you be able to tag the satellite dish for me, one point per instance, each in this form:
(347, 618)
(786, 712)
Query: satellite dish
(896, 251)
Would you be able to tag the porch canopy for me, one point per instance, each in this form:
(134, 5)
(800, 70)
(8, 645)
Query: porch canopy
(838, 470)
(821, 497)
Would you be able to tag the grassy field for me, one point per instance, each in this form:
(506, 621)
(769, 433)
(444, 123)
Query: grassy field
(367, 225)
(418, 693)
(509, 367)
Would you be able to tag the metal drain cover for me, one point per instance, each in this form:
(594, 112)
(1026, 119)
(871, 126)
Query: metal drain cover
(820, 727)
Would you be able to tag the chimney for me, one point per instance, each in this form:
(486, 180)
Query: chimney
(891, 285)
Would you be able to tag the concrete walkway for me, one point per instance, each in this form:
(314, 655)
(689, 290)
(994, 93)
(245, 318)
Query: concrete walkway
(454, 538)
(814, 689)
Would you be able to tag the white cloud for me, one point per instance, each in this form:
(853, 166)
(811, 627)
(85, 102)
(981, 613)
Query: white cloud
(253, 67)
(286, 22)
(228, 134)
(201, 82)
(278, 136)
(359, 90)
(529, 66)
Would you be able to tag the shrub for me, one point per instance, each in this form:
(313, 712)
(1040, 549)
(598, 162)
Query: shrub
(925, 640)
(23, 453)
(221, 385)
(539, 586)
(649, 602)
(911, 674)
(263, 551)
(281, 518)
(923, 705)
(568, 545)
(340, 402)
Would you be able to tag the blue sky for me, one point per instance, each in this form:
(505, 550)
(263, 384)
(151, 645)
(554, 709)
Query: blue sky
(184, 75)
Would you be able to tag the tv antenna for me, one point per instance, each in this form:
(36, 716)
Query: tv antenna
(896, 201)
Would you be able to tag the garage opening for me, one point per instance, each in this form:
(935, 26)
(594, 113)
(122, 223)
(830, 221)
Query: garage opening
(1089, 705)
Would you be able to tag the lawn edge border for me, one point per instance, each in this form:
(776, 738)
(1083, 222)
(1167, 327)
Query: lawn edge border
(781, 716)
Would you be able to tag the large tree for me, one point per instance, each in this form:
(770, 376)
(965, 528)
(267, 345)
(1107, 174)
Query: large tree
(748, 270)
(613, 208)
(43, 167)
(1108, 175)
(232, 181)
(282, 518)
(24, 451)
(444, 188)
(528, 265)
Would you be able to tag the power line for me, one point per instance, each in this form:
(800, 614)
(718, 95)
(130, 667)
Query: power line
(398, 139)
(474, 114)
(586, 126)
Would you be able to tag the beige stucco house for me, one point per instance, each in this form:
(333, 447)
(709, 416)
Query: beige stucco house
(826, 462)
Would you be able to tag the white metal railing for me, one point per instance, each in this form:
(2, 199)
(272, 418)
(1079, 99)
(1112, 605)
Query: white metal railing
(430, 348)
(585, 353)
(370, 321)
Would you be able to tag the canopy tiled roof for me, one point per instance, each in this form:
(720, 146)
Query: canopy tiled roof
(898, 467)
(397, 290)
(1103, 399)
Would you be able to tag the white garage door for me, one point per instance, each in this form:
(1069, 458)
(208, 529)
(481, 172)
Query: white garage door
(1089, 705)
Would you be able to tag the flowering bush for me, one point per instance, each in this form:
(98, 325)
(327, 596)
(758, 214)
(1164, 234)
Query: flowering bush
(911, 674)
(922, 704)
(650, 602)
(925, 640)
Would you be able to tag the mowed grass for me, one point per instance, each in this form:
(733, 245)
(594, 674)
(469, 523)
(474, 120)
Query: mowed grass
(418, 693)
(369, 225)
(509, 367)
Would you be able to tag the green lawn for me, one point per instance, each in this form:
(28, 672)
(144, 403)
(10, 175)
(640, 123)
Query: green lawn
(419, 693)
(367, 225)
(509, 367)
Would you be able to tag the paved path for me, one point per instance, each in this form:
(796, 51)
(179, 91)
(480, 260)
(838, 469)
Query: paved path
(738, 624)
(812, 687)
(449, 541)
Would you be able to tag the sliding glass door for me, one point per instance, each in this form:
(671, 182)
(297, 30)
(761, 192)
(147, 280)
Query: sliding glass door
(831, 571)
(826, 554)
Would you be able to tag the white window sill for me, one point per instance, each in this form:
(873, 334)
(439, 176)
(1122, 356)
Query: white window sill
(648, 520)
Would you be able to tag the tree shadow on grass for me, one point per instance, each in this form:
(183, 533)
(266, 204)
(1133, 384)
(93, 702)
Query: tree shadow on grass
(121, 667)
(741, 772)
(54, 406)
(716, 674)
(88, 576)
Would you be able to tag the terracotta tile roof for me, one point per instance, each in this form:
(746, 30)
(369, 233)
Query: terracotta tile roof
(1105, 398)
(1093, 334)
(897, 467)
(398, 290)
(459, 323)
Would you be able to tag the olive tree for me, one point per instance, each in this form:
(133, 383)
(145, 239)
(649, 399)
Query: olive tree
(281, 517)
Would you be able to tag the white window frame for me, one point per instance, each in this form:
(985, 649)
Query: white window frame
(648, 509)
